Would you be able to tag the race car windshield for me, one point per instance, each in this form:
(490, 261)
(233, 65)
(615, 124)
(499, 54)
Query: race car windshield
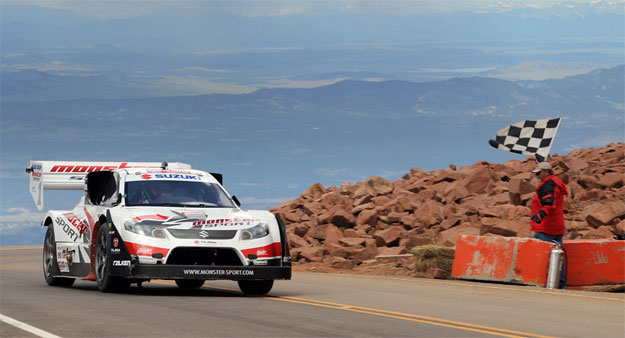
(176, 194)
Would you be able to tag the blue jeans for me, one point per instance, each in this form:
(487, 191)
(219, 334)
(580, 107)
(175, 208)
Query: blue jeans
(557, 238)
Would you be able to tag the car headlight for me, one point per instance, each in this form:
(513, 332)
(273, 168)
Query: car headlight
(259, 231)
(140, 228)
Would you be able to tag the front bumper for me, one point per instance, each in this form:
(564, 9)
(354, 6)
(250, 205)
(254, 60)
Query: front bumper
(125, 265)
(206, 272)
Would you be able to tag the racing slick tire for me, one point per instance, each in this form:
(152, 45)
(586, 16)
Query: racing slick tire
(255, 287)
(189, 283)
(103, 264)
(50, 265)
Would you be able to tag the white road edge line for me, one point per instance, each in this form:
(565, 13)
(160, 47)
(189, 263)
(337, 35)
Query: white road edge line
(26, 327)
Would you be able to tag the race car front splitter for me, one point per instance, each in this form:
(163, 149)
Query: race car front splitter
(212, 272)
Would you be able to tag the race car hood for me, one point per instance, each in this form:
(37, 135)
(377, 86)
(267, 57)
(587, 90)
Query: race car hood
(187, 218)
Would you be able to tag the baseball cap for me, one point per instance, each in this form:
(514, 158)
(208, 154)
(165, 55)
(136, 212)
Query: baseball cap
(542, 166)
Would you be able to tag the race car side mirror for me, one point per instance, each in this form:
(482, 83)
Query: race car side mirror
(236, 201)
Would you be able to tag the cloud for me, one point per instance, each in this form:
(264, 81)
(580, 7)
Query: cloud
(600, 140)
(244, 184)
(13, 55)
(102, 10)
(246, 50)
(288, 11)
(392, 173)
(332, 172)
(121, 10)
(490, 110)
(263, 203)
(202, 69)
(15, 220)
(296, 151)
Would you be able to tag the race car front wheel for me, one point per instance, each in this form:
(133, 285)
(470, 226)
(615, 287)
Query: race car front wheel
(103, 263)
(255, 287)
(50, 265)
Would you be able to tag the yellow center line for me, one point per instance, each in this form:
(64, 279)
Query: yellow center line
(390, 314)
(408, 317)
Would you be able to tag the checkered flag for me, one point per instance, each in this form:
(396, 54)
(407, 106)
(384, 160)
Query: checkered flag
(528, 137)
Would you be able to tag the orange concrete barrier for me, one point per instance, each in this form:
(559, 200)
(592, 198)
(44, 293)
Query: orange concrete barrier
(502, 259)
(595, 262)
(526, 260)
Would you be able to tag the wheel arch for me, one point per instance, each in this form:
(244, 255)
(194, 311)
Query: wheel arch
(94, 235)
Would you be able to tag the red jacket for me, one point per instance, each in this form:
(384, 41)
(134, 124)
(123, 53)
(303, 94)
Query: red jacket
(549, 198)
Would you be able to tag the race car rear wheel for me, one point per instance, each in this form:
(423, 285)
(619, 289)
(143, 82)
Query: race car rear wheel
(103, 263)
(50, 265)
(189, 283)
(255, 287)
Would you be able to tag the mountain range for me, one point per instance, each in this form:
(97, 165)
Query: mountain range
(272, 143)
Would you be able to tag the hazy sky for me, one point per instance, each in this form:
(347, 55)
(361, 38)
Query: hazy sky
(118, 9)
(145, 48)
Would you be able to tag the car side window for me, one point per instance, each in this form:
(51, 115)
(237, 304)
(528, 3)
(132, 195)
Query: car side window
(110, 194)
(102, 188)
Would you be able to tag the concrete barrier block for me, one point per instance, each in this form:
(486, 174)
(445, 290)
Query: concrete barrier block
(502, 259)
(595, 262)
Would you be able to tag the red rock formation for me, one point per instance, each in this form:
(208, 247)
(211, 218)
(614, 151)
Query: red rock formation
(350, 225)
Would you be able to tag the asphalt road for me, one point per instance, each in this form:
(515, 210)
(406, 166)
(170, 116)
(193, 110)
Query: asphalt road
(311, 304)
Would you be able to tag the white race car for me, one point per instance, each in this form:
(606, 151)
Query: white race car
(139, 221)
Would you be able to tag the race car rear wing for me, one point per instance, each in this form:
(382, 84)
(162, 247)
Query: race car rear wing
(70, 175)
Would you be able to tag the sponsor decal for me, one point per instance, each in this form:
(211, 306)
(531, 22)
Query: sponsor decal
(218, 272)
(61, 251)
(86, 168)
(204, 234)
(175, 176)
(36, 173)
(63, 267)
(145, 250)
(184, 177)
(121, 263)
(116, 251)
(160, 171)
(67, 228)
(76, 222)
(156, 217)
(197, 241)
(267, 251)
(115, 242)
(210, 223)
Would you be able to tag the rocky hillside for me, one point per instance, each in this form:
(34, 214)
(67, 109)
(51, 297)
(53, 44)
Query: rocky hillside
(349, 226)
